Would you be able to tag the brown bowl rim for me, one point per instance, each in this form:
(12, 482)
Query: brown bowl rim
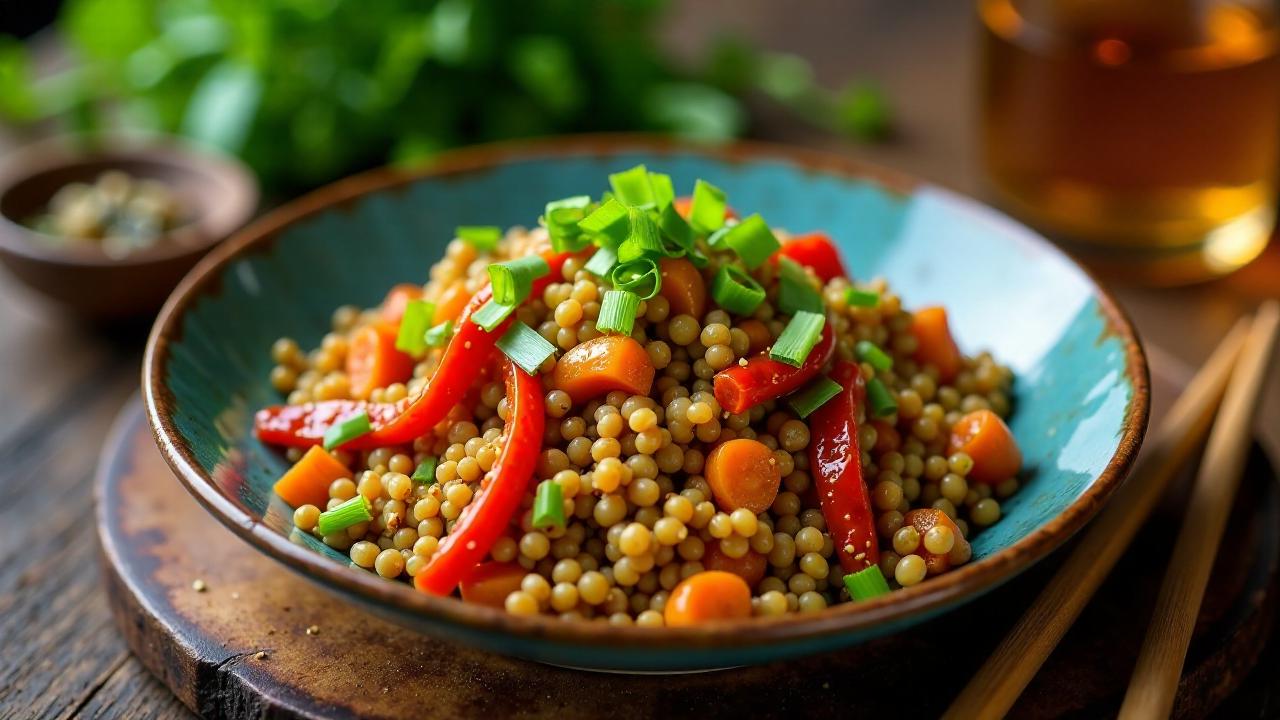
(893, 609)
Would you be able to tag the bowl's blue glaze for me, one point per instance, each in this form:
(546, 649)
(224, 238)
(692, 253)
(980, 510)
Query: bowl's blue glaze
(1080, 391)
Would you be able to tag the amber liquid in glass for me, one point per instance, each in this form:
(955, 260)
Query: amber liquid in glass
(1144, 135)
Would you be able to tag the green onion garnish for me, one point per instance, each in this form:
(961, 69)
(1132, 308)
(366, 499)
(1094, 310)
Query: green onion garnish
(644, 239)
(481, 237)
(736, 291)
(610, 222)
(512, 280)
(425, 473)
(795, 292)
(861, 298)
(347, 430)
(562, 217)
(633, 187)
(602, 262)
(439, 335)
(618, 312)
(814, 395)
(714, 239)
(351, 512)
(706, 213)
(866, 583)
(525, 347)
(491, 314)
(579, 202)
(798, 338)
(548, 506)
(675, 228)
(663, 191)
(883, 403)
(413, 326)
(871, 353)
(642, 277)
(753, 241)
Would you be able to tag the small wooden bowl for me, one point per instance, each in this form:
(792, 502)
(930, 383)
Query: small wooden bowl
(219, 193)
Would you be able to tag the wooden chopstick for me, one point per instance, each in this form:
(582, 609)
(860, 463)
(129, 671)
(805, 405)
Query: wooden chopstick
(1001, 679)
(1155, 678)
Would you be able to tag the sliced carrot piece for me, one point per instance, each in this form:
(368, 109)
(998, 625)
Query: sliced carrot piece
(452, 301)
(491, 582)
(984, 437)
(749, 567)
(599, 365)
(934, 344)
(397, 300)
(307, 482)
(743, 473)
(706, 597)
(373, 360)
(924, 520)
(758, 334)
(683, 287)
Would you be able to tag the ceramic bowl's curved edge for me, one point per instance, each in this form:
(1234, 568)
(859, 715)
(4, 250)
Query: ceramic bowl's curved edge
(853, 621)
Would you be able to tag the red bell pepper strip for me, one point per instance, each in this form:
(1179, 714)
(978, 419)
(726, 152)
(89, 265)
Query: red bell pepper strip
(836, 464)
(399, 423)
(739, 388)
(487, 517)
(816, 251)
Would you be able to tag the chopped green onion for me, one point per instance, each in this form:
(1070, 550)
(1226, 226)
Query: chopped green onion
(795, 292)
(736, 291)
(481, 237)
(633, 187)
(798, 338)
(866, 583)
(861, 298)
(611, 222)
(351, 512)
(579, 202)
(491, 314)
(716, 238)
(753, 241)
(425, 473)
(643, 240)
(562, 217)
(663, 191)
(642, 277)
(871, 353)
(347, 430)
(548, 506)
(707, 211)
(675, 229)
(618, 312)
(512, 280)
(602, 262)
(439, 335)
(525, 347)
(413, 326)
(883, 403)
(814, 395)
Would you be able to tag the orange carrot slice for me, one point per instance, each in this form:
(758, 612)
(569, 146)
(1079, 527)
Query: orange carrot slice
(934, 344)
(307, 482)
(373, 360)
(683, 287)
(599, 365)
(491, 582)
(708, 596)
(984, 437)
(743, 473)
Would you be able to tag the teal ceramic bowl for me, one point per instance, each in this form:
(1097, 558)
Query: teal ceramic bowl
(1081, 393)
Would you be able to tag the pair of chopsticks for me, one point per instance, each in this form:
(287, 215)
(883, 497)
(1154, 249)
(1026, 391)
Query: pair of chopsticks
(1233, 376)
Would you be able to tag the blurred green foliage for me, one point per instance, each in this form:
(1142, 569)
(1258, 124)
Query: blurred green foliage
(309, 90)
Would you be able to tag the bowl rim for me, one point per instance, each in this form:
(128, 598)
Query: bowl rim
(889, 610)
(231, 207)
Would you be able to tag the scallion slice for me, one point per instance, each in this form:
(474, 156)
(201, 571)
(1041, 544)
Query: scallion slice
(439, 335)
(795, 292)
(707, 211)
(663, 191)
(633, 187)
(602, 262)
(871, 353)
(618, 312)
(525, 347)
(753, 241)
(642, 277)
(425, 473)
(675, 229)
(861, 298)
(481, 237)
(798, 338)
(611, 222)
(716, 238)
(644, 239)
(882, 401)
(351, 512)
(347, 430)
(548, 506)
(512, 280)
(577, 201)
(562, 217)
(736, 291)
(814, 395)
(491, 314)
(866, 583)
(413, 326)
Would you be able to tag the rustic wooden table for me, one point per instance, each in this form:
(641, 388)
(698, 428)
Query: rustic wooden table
(61, 384)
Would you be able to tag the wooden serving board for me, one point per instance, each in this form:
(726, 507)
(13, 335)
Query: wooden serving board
(240, 647)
